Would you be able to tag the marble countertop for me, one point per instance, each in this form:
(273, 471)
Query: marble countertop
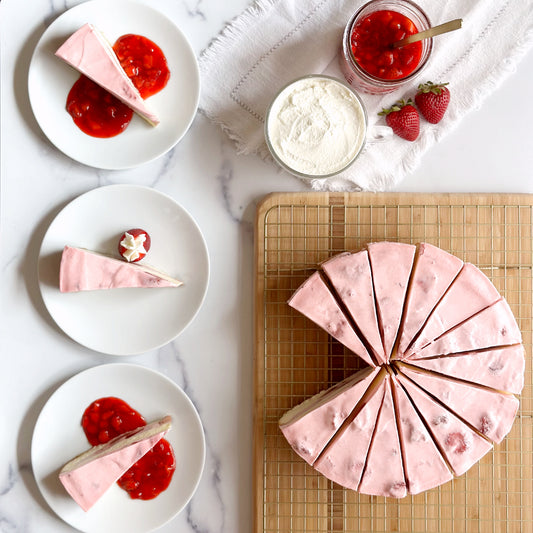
(490, 151)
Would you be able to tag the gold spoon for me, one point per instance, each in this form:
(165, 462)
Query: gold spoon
(431, 32)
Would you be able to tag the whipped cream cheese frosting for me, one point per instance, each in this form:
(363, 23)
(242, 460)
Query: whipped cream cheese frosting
(316, 126)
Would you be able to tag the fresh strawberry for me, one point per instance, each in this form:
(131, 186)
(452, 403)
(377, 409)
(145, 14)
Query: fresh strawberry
(432, 100)
(404, 120)
(134, 244)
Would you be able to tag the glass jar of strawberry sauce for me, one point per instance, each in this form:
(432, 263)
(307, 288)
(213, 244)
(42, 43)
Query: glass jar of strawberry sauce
(368, 61)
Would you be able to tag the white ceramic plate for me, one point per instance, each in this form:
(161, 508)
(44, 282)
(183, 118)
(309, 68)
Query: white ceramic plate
(50, 80)
(58, 437)
(126, 321)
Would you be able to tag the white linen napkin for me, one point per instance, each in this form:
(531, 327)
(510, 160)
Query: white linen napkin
(276, 41)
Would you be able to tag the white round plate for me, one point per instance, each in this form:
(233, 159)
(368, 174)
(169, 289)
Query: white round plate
(126, 321)
(58, 437)
(50, 80)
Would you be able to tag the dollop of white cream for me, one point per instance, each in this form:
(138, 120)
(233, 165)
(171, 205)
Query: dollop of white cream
(316, 126)
(134, 246)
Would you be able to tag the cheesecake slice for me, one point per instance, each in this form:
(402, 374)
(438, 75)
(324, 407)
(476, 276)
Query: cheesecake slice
(433, 273)
(350, 276)
(89, 475)
(315, 301)
(490, 412)
(309, 426)
(494, 326)
(391, 264)
(88, 51)
(83, 270)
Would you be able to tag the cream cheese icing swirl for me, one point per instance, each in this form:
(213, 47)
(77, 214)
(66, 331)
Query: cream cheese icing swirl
(316, 126)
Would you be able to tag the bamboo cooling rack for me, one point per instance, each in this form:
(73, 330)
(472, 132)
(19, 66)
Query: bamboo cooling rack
(294, 359)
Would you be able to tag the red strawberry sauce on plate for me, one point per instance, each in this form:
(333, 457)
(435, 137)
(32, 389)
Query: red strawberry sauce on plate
(371, 40)
(109, 417)
(97, 112)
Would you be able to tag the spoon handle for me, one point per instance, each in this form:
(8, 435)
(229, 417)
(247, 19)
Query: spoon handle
(431, 32)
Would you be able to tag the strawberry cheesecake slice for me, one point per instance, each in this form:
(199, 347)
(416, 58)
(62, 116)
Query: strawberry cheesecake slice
(314, 300)
(470, 293)
(309, 426)
(433, 273)
(89, 475)
(88, 51)
(384, 473)
(461, 446)
(499, 368)
(492, 327)
(350, 276)
(422, 461)
(490, 412)
(391, 264)
(83, 270)
(344, 458)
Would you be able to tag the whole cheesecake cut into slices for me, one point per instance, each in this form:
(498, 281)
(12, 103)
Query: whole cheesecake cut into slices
(391, 264)
(490, 412)
(423, 463)
(88, 51)
(84, 270)
(492, 327)
(350, 276)
(88, 476)
(433, 273)
(499, 368)
(309, 426)
(315, 301)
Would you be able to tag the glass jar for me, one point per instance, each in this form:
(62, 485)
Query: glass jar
(372, 82)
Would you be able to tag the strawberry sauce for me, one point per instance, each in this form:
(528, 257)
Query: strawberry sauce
(97, 112)
(109, 417)
(371, 41)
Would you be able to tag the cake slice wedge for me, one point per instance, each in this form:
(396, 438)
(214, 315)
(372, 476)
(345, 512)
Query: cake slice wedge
(494, 326)
(88, 51)
(344, 458)
(422, 461)
(309, 426)
(459, 444)
(84, 270)
(315, 301)
(433, 273)
(391, 264)
(490, 412)
(384, 473)
(89, 475)
(350, 276)
(499, 368)
(470, 292)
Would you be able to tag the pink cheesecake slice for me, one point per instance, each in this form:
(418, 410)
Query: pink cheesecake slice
(309, 426)
(83, 270)
(490, 412)
(422, 461)
(470, 293)
(350, 275)
(384, 474)
(461, 446)
(88, 51)
(344, 458)
(88, 476)
(499, 368)
(391, 264)
(314, 300)
(433, 273)
(492, 327)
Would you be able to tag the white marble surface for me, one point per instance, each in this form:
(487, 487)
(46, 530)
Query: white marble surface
(490, 151)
